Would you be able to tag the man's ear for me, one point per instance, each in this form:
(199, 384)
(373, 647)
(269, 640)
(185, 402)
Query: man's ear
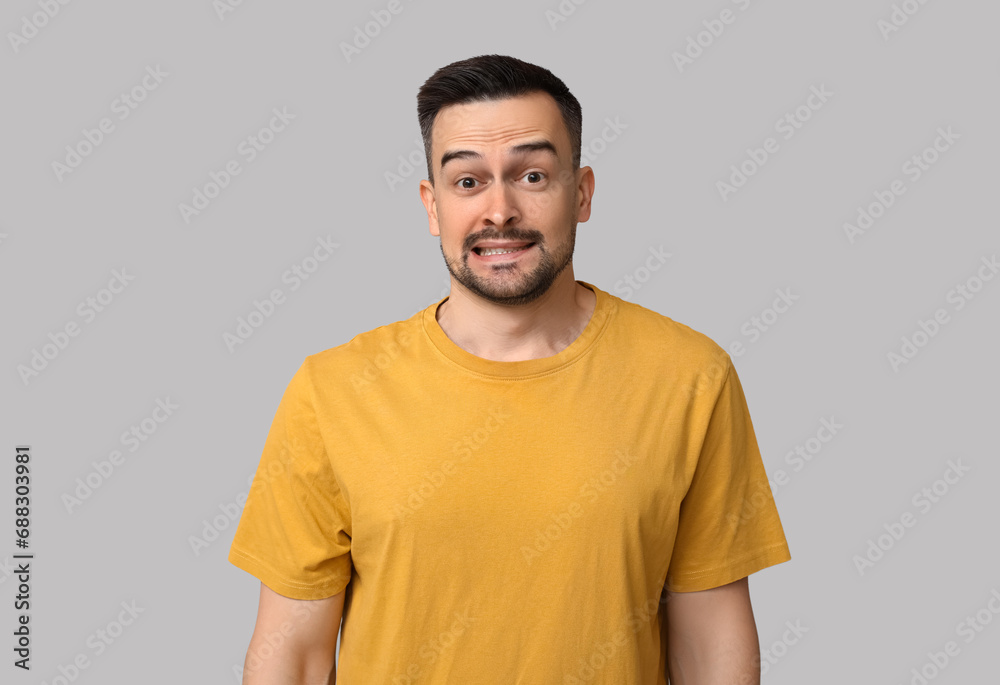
(430, 204)
(585, 193)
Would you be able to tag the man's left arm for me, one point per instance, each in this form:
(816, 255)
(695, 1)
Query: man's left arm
(712, 637)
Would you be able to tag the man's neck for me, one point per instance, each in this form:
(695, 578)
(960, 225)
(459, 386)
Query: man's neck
(542, 328)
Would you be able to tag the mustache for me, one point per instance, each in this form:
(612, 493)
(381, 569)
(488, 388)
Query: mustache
(527, 235)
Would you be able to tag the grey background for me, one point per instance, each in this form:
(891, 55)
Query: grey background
(325, 175)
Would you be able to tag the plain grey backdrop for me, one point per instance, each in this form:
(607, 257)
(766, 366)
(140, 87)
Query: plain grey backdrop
(841, 157)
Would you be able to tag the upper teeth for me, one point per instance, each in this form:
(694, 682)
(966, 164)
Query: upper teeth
(499, 250)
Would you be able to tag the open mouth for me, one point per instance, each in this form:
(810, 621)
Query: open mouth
(499, 251)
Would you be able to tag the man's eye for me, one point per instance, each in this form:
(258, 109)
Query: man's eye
(463, 182)
(538, 175)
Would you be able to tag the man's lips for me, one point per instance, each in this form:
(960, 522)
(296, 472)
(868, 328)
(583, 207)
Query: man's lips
(520, 248)
(500, 245)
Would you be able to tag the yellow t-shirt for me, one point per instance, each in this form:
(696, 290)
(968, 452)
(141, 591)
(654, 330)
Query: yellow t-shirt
(510, 522)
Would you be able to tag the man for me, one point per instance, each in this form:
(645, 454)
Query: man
(530, 481)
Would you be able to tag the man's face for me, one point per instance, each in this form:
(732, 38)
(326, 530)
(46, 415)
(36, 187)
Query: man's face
(504, 180)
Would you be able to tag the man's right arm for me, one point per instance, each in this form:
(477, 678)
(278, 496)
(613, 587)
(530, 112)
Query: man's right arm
(294, 640)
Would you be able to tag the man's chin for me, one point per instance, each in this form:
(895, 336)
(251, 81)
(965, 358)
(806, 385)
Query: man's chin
(509, 296)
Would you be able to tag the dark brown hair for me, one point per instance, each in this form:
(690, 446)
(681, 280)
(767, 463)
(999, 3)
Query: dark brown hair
(493, 77)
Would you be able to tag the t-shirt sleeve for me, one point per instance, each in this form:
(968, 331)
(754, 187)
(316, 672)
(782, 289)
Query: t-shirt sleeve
(728, 525)
(295, 530)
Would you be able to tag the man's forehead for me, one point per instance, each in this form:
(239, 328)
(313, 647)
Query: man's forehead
(507, 124)
(501, 123)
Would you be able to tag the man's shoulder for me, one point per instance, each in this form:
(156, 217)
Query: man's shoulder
(656, 333)
(375, 347)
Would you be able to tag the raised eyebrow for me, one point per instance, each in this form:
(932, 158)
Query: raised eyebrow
(533, 146)
(520, 149)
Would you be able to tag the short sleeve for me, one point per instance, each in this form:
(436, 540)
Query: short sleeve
(728, 525)
(295, 530)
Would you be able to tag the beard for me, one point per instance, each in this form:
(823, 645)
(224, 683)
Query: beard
(508, 283)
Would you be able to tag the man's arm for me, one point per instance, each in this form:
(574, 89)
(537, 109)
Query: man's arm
(294, 640)
(712, 637)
